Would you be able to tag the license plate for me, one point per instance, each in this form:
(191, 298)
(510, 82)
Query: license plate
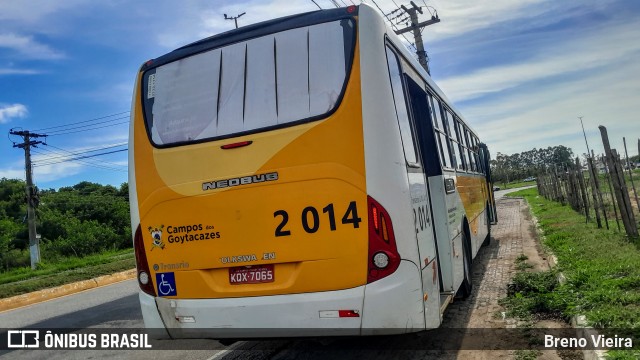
(251, 275)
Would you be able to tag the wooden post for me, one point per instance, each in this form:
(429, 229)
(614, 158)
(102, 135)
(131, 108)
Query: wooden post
(600, 199)
(608, 176)
(626, 209)
(575, 193)
(558, 182)
(633, 186)
(583, 189)
(594, 190)
(618, 184)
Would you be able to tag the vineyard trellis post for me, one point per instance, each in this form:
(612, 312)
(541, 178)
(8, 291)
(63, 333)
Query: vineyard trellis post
(620, 188)
(583, 189)
(594, 192)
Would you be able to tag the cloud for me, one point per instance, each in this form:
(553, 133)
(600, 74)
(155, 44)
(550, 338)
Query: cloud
(46, 173)
(12, 173)
(199, 19)
(12, 71)
(28, 47)
(34, 11)
(8, 112)
(546, 114)
(599, 48)
(534, 100)
(469, 16)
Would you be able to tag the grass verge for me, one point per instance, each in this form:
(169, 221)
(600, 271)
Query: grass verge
(602, 268)
(25, 280)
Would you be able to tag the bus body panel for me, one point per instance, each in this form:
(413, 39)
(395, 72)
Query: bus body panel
(402, 190)
(264, 316)
(133, 190)
(151, 316)
(309, 219)
(387, 178)
(472, 195)
(394, 305)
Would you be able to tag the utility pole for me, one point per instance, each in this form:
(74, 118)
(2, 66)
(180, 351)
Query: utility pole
(32, 199)
(234, 18)
(416, 28)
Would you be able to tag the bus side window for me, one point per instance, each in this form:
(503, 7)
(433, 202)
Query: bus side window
(441, 137)
(476, 150)
(464, 165)
(406, 132)
(451, 139)
(469, 145)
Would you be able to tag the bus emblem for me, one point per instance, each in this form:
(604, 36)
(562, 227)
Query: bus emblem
(245, 180)
(156, 235)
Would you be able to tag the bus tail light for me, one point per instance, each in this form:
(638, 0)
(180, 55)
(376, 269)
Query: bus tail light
(383, 253)
(142, 266)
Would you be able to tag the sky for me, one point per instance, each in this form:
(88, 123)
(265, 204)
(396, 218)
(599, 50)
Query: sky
(521, 72)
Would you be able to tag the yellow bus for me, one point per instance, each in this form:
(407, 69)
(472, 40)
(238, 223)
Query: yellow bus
(301, 176)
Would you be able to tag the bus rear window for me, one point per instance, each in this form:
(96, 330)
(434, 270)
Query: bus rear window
(265, 82)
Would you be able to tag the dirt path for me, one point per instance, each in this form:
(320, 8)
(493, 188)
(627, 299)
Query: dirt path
(493, 270)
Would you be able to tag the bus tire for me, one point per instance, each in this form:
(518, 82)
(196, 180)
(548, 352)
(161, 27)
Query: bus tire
(465, 288)
(487, 240)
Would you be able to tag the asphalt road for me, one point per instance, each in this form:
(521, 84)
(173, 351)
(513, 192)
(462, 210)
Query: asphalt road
(501, 193)
(114, 306)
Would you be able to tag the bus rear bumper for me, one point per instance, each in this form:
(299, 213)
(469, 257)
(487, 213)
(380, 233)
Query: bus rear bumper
(393, 305)
(310, 314)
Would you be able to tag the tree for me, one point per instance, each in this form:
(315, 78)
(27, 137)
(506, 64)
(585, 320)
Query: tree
(517, 166)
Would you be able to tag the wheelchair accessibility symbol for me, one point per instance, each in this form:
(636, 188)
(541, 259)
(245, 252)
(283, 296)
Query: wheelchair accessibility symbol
(166, 283)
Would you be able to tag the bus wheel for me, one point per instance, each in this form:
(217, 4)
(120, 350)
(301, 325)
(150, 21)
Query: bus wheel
(466, 286)
(487, 240)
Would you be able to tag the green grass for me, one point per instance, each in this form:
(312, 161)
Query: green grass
(602, 268)
(522, 264)
(24, 280)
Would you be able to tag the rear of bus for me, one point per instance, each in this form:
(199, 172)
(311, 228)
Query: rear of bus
(247, 177)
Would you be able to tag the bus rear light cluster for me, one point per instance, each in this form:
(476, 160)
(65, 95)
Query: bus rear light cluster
(348, 313)
(383, 252)
(142, 265)
(236, 145)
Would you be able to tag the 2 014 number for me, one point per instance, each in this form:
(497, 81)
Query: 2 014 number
(310, 219)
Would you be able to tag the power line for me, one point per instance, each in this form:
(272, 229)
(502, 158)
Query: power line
(390, 22)
(91, 129)
(69, 153)
(82, 122)
(416, 28)
(313, 1)
(87, 126)
(82, 157)
(85, 162)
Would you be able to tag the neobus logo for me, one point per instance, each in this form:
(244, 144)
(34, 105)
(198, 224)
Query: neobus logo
(246, 180)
